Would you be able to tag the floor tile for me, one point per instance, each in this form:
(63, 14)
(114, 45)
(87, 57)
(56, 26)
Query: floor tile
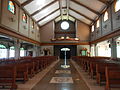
(61, 80)
(63, 72)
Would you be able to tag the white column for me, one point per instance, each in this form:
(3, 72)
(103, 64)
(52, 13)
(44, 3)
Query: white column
(113, 48)
(17, 49)
(8, 52)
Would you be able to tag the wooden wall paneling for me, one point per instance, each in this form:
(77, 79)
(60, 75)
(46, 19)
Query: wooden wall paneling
(106, 25)
(23, 27)
(9, 19)
(32, 30)
(16, 35)
(82, 31)
(0, 11)
(116, 18)
(81, 43)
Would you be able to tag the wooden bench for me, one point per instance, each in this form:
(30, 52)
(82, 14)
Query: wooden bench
(22, 71)
(8, 76)
(112, 77)
(100, 71)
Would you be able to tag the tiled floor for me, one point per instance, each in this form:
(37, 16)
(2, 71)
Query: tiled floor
(63, 72)
(59, 78)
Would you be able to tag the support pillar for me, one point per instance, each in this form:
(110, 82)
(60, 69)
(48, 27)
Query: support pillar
(113, 46)
(17, 49)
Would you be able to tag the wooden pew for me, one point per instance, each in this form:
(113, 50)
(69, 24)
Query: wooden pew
(100, 71)
(8, 76)
(24, 68)
(22, 71)
(112, 77)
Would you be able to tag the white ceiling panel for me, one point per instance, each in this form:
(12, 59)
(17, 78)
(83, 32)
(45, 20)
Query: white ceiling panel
(93, 4)
(36, 5)
(21, 1)
(79, 17)
(46, 11)
(82, 10)
(49, 18)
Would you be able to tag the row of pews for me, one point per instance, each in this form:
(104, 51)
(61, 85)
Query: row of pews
(12, 70)
(103, 69)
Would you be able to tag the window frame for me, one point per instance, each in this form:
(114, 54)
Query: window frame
(33, 24)
(14, 7)
(93, 26)
(26, 18)
(115, 6)
(104, 16)
(97, 23)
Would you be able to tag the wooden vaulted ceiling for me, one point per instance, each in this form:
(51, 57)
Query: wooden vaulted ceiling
(86, 11)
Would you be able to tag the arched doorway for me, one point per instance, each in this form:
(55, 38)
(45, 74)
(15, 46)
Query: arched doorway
(65, 51)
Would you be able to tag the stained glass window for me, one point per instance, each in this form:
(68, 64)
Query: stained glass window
(117, 5)
(24, 18)
(106, 16)
(98, 23)
(11, 7)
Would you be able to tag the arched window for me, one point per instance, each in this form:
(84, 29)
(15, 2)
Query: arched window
(106, 16)
(98, 23)
(92, 29)
(22, 52)
(11, 6)
(12, 52)
(117, 5)
(24, 18)
(3, 51)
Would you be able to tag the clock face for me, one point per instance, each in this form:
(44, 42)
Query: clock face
(64, 25)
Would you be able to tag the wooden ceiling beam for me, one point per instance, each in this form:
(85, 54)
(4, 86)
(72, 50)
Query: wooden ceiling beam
(79, 20)
(97, 13)
(103, 1)
(44, 7)
(82, 14)
(27, 2)
(48, 15)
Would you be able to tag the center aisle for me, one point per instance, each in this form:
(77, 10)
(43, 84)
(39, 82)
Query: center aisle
(59, 78)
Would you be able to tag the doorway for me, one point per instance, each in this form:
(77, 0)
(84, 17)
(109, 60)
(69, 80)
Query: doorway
(60, 54)
(65, 52)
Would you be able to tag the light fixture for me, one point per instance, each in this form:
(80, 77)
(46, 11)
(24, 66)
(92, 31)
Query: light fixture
(62, 37)
(76, 38)
(67, 37)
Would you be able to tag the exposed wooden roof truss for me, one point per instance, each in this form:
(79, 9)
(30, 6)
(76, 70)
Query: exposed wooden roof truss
(84, 10)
